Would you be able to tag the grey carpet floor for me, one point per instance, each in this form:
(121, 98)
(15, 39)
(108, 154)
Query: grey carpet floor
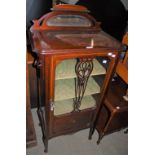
(78, 143)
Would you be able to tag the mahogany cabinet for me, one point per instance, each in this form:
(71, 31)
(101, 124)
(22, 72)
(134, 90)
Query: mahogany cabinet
(75, 63)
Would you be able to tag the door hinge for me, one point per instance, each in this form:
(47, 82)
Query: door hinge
(52, 105)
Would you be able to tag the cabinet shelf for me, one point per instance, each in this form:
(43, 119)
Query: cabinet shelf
(65, 89)
(66, 106)
(66, 69)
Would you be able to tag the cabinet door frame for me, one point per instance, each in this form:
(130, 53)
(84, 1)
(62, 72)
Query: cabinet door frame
(59, 55)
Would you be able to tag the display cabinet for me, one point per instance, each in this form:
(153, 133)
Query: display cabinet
(75, 63)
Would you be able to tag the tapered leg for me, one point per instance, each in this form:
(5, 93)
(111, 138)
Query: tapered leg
(43, 128)
(40, 112)
(100, 138)
(46, 145)
(91, 133)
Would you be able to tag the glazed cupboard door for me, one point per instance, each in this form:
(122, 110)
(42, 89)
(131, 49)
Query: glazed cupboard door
(78, 84)
(77, 81)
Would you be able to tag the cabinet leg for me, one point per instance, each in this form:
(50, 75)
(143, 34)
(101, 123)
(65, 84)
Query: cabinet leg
(91, 133)
(46, 145)
(100, 138)
(43, 128)
(42, 120)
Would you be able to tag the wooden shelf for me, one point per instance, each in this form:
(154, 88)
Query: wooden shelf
(66, 106)
(65, 89)
(66, 69)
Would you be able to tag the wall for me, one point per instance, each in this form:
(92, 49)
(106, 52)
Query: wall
(125, 2)
(36, 8)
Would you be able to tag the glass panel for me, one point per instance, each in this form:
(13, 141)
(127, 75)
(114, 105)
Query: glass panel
(66, 106)
(67, 84)
(69, 20)
(66, 69)
(99, 40)
(65, 89)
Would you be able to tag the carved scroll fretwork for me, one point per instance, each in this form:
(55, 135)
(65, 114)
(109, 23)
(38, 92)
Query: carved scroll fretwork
(83, 70)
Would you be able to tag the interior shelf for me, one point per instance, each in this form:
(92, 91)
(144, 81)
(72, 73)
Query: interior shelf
(66, 69)
(66, 106)
(65, 89)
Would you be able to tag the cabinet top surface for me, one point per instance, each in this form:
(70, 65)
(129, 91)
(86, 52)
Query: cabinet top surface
(72, 29)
